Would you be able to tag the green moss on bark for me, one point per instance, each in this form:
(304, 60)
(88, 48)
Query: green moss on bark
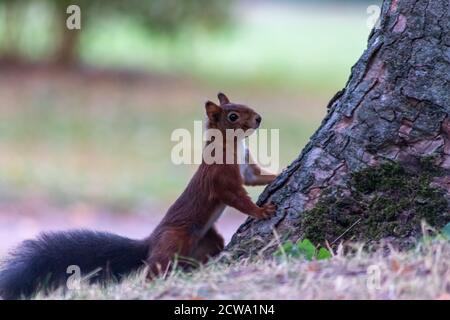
(388, 201)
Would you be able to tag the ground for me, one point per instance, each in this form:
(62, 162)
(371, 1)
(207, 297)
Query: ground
(27, 218)
(91, 149)
(423, 273)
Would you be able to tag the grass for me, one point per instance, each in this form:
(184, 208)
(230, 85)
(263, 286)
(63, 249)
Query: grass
(422, 273)
(120, 157)
(310, 48)
(81, 140)
(304, 47)
(108, 142)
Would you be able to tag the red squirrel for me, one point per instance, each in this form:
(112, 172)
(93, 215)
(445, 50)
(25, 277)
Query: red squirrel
(187, 229)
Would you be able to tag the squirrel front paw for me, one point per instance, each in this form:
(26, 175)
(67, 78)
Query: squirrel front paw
(267, 210)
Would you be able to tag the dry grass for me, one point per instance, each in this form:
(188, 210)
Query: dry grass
(423, 273)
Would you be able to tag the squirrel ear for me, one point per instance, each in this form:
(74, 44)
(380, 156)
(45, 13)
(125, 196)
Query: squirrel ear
(212, 110)
(223, 98)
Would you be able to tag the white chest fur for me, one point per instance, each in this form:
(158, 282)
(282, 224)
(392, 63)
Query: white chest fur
(242, 154)
(214, 217)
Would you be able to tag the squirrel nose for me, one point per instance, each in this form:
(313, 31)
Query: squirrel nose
(258, 119)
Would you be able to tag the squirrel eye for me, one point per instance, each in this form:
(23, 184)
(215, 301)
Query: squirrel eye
(232, 116)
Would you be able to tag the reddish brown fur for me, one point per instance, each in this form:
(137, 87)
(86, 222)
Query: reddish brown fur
(182, 230)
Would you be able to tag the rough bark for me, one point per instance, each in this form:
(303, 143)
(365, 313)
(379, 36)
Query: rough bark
(394, 109)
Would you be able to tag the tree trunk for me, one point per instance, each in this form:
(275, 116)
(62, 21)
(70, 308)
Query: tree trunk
(379, 163)
(12, 24)
(66, 54)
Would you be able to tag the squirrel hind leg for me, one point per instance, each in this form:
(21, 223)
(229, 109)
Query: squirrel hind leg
(171, 245)
(209, 246)
(161, 260)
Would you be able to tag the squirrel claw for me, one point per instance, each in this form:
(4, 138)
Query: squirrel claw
(267, 210)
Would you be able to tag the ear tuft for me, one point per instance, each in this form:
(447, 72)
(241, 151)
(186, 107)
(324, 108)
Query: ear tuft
(212, 111)
(223, 98)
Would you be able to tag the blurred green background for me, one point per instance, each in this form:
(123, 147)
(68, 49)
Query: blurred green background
(86, 116)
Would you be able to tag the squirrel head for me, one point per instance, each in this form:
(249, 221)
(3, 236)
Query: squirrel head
(230, 115)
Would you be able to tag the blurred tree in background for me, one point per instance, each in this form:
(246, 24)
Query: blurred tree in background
(163, 16)
(333, 1)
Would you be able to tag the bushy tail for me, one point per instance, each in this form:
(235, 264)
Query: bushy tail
(43, 263)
